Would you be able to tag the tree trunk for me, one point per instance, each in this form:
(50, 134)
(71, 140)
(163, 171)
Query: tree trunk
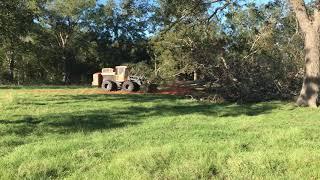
(10, 60)
(66, 74)
(11, 70)
(310, 26)
(62, 41)
(69, 62)
(310, 88)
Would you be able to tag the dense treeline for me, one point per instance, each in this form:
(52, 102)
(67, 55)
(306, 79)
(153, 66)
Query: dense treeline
(241, 50)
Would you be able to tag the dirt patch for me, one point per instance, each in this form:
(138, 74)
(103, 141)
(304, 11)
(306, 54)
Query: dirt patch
(79, 91)
(175, 90)
(167, 91)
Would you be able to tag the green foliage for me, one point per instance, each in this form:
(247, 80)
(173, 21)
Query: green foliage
(250, 52)
(140, 69)
(15, 18)
(253, 54)
(15, 22)
(264, 57)
(187, 49)
(62, 133)
(72, 9)
(67, 41)
(120, 31)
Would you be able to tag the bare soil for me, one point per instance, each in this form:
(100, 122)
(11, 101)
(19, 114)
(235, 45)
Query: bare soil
(171, 90)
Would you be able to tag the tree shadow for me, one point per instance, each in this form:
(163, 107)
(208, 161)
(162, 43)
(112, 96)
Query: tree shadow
(66, 123)
(171, 107)
(219, 110)
(142, 98)
(136, 113)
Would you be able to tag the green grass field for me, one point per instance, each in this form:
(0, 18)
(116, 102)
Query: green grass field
(68, 133)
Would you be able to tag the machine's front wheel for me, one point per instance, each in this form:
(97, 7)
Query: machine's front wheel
(128, 86)
(108, 85)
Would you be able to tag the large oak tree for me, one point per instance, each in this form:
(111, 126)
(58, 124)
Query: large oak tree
(310, 26)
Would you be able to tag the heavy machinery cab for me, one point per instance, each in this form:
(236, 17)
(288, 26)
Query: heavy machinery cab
(122, 73)
(119, 74)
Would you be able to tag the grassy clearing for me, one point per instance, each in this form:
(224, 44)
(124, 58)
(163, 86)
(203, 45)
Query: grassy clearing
(75, 135)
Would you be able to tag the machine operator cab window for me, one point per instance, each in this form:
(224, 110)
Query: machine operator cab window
(121, 73)
(108, 71)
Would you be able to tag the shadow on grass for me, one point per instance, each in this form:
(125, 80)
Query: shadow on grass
(171, 107)
(65, 123)
(133, 98)
(221, 110)
(133, 114)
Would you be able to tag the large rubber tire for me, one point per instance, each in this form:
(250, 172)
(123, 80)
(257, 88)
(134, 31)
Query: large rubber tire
(128, 86)
(108, 86)
(136, 86)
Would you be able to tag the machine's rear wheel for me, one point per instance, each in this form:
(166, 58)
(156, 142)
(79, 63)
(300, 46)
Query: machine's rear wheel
(108, 86)
(128, 86)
